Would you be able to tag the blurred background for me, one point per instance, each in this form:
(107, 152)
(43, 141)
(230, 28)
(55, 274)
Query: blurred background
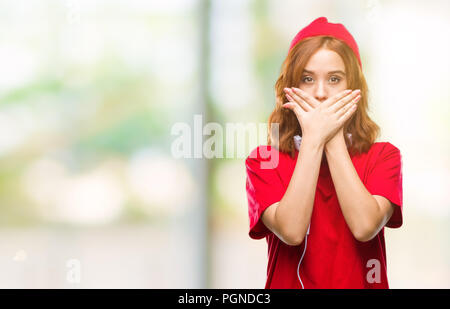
(91, 194)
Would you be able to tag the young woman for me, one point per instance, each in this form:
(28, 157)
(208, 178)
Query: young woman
(323, 206)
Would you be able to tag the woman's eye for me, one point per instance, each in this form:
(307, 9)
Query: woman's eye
(335, 79)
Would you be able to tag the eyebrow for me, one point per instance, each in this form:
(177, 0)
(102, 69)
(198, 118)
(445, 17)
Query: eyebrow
(331, 72)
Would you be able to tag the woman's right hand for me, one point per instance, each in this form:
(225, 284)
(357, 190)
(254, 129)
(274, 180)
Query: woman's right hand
(321, 121)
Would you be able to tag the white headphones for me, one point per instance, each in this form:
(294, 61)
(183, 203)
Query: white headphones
(301, 259)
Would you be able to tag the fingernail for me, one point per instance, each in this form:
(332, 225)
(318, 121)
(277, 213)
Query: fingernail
(348, 91)
(287, 89)
(296, 89)
(357, 91)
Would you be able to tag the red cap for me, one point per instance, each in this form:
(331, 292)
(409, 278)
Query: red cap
(321, 26)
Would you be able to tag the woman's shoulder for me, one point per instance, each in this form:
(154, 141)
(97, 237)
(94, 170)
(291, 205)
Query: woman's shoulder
(267, 155)
(265, 152)
(382, 147)
(382, 151)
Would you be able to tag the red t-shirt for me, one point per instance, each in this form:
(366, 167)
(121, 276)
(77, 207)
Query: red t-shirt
(333, 257)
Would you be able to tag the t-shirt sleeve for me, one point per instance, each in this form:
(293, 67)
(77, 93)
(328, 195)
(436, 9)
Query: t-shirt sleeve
(386, 180)
(264, 188)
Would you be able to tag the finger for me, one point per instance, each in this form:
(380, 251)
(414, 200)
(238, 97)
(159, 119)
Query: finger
(330, 101)
(289, 98)
(345, 100)
(310, 100)
(307, 107)
(293, 106)
(346, 103)
(353, 107)
(294, 102)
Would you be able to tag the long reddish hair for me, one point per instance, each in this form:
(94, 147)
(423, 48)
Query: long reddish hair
(364, 131)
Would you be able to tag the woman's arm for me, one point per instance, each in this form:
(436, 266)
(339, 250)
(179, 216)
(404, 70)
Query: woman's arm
(290, 217)
(364, 213)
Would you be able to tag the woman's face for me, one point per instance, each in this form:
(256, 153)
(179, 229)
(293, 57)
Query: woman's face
(324, 75)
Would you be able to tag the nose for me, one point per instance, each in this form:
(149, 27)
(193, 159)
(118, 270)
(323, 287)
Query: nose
(320, 92)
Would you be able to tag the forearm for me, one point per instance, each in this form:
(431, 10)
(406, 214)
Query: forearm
(295, 208)
(359, 207)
